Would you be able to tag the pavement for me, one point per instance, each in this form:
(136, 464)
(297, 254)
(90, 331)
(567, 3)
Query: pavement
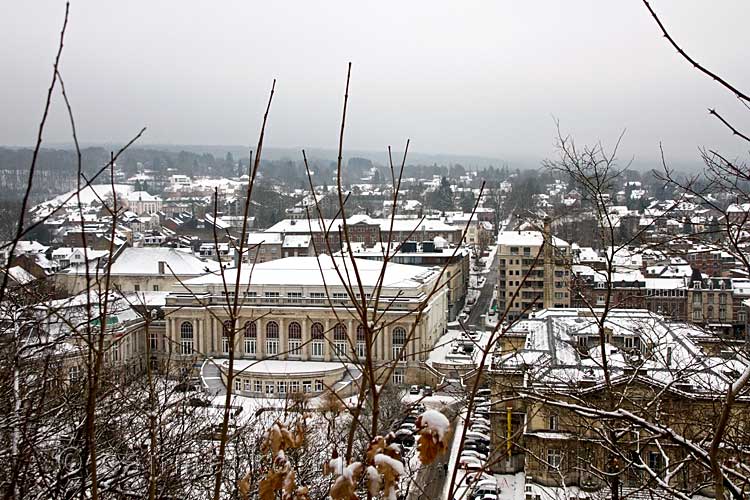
(482, 304)
(211, 378)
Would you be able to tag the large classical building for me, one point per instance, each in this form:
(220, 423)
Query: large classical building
(297, 313)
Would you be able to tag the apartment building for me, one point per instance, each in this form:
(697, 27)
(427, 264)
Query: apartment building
(546, 365)
(534, 272)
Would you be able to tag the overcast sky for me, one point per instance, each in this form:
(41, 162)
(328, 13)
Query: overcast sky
(461, 77)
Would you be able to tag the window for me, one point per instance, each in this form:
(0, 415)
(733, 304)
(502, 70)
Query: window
(361, 342)
(399, 339)
(295, 338)
(186, 337)
(281, 388)
(251, 339)
(340, 342)
(137, 288)
(237, 385)
(398, 376)
(654, 461)
(294, 386)
(316, 333)
(271, 294)
(153, 341)
(340, 295)
(258, 386)
(269, 388)
(225, 332)
(156, 288)
(554, 457)
(628, 342)
(246, 385)
(74, 374)
(317, 295)
(272, 338)
(552, 422)
(306, 386)
(294, 296)
(319, 385)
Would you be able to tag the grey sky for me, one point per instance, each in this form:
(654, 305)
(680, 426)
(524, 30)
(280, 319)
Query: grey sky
(462, 77)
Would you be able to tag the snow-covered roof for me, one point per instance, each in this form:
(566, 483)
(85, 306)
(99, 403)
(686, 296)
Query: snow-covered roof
(399, 225)
(141, 196)
(297, 241)
(668, 352)
(88, 195)
(527, 238)
(303, 271)
(276, 367)
(267, 238)
(145, 261)
(20, 275)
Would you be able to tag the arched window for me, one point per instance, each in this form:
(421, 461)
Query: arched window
(295, 338)
(340, 341)
(251, 338)
(226, 331)
(399, 339)
(316, 333)
(361, 342)
(186, 337)
(272, 338)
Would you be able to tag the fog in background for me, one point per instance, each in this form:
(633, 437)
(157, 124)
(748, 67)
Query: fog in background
(462, 78)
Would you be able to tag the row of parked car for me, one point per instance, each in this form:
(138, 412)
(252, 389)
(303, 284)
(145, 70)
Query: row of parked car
(424, 390)
(405, 428)
(477, 449)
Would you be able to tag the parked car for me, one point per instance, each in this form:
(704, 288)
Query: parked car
(408, 427)
(416, 408)
(474, 453)
(477, 478)
(427, 390)
(477, 436)
(470, 463)
(414, 389)
(480, 428)
(478, 420)
(477, 446)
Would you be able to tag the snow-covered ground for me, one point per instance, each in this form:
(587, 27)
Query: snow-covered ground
(489, 259)
(444, 349)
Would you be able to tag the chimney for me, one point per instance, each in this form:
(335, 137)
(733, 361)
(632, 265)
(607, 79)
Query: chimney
(162, 267)
(549, 265)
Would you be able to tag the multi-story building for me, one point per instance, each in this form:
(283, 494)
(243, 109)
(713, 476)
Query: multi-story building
(327, 237)
(137, 270)
(534, 272)
(550, 394)
(426, 254)
(298, 315)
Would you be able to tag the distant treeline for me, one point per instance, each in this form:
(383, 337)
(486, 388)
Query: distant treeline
(56, 169)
